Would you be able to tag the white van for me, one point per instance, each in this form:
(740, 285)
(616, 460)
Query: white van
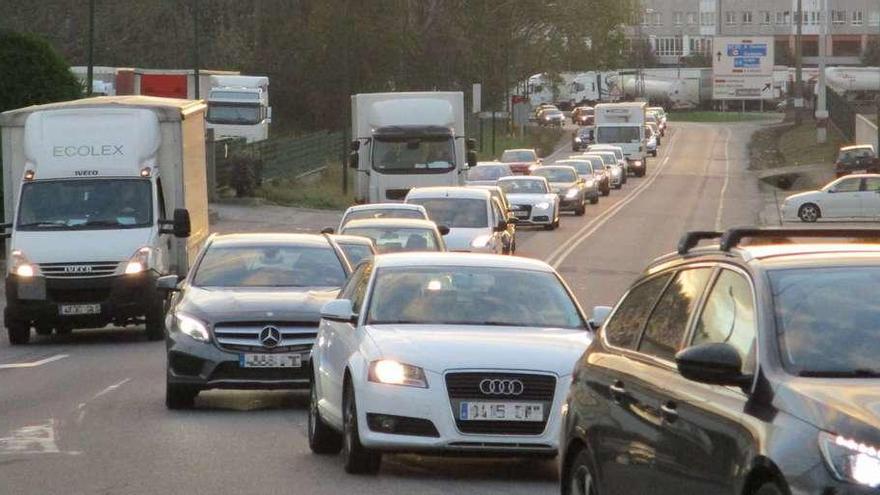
(102, 196)
(476, 221)
(623, 125)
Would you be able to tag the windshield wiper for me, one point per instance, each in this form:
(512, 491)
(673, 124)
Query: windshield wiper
(54, 223)
(100, 223)
(856, 373)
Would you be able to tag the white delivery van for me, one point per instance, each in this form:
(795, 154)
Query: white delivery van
(102, 196)
(406, 140)
(238, 107)
(623, 125)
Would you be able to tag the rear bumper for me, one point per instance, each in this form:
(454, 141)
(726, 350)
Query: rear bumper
(122, 298)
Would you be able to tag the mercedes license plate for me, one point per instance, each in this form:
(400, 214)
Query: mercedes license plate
(270, 360)
(79, 309)
(501, 411)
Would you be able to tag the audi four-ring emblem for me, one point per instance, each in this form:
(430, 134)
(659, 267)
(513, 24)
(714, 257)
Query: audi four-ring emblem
(500, 386)
(270, 337)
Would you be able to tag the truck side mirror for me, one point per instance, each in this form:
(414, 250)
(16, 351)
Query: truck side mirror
(355, 145)
(182, 226)
(471, 144)
(353, 160)
(472, 158)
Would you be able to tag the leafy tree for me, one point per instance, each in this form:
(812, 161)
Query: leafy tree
(33, 72)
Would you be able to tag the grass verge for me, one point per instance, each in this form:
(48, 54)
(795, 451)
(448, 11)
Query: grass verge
(719, 117)
(543, 139)
(322, 190)
(790, 145)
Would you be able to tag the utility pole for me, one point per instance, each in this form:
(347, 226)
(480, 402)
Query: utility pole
(798, 71)
(90, 71)
(821, 102)
(195, 14)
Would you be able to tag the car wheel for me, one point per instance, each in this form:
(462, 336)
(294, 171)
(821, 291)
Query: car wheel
(618, 185)
(809, 213)
(322, 438)
(654, 154)
(155, 321)
(768, 489)
(594, 200)
(357, 458)
(580, 479)
(641, 173)
(580, 210)
(606, 190)
(179, 396)
(19, 332)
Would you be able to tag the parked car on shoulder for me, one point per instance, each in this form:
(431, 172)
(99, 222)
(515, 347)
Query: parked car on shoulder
(247, 314)
(748, 367)
(486, 173)
(392, 235)
(568, 185)
(379, 210)
(521, 161)
(532, 201)
(444, 353)
(852, 197)
(859, 159)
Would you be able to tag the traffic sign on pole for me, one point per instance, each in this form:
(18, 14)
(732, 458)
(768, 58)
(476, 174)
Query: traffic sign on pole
(742, 68)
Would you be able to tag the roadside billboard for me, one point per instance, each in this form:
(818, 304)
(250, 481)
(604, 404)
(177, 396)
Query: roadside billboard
(742, 68)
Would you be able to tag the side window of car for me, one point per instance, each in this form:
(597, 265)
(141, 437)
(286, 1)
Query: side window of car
(625, 326)
(729, 317)
(360, 289)
(849, 185)
(667, 324)
(347, 291)
(872, 184)
(496, 212)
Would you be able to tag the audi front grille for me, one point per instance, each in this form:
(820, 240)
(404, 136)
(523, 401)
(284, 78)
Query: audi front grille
(465, 386)
(245, 336)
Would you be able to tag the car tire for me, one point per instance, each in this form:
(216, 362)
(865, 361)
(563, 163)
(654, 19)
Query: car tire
(619, 185)
(19, 332)
(641, 173)
(179, 396)
(579, 478)
(768, 489)
(357, 458)
(809, 213)
(606, 191)
(594, 200)
(654, 154)
(322, 438)
(580, 210)
(155, 321)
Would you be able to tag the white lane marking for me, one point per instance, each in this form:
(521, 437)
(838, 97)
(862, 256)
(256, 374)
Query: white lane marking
(720, 212)
(81, 407)
(33, 439)
(564, 250)
(33, 364)
(111, 388)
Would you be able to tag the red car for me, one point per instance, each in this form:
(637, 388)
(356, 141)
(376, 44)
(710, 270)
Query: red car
(521, 161)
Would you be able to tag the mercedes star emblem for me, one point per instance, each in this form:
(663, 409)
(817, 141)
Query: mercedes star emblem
(270, 337)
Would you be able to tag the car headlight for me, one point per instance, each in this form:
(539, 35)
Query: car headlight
(589, 183)
(546, 118)
(140, 261)
(391, 372)
(20, 265)
(571, 193)
(542, 205)
(577, 139)
(850, 460)
(481, 241)
(191, 326)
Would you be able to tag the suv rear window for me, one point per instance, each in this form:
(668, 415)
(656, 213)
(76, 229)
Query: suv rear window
(667, 324)
(625, 326)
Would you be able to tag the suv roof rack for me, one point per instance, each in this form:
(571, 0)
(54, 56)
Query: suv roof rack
(690, 239)
(732, 237)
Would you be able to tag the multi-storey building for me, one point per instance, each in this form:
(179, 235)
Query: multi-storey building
(677, 28)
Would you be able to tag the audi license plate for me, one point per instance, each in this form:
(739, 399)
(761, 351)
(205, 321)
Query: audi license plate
(501, 411)
(270, 360)
(79, 309)
(521, 214)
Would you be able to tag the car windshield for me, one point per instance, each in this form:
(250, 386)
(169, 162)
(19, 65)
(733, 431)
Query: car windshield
(234, 113)
(409, 155)
(397, 239)
(471, 296)
(85, 204)
(355, 253)
(854, 154)
(523, 186)
(269, 265)
(383, 213)
(614, 134)
(518, 156)
(824, 324)
(455, 213)
(487, 172)
(582, 168)
(556, 174)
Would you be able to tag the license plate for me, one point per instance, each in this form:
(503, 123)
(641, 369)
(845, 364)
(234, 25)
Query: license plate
(270, 360)
(501, 411)
(79, 309)
(521, 214)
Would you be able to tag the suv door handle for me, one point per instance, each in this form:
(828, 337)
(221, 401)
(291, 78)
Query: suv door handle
(670, 412)
(617, 391)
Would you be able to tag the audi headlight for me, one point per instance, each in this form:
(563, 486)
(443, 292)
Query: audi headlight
(140, 261)
(542, 205)
(191, 326)
(851, 461)
(571, 193)
(20, 265)
(391, 372)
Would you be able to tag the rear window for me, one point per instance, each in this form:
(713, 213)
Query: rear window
(556, 174)
(384, 213)
(518, 156)
(455, 213)
(488, 172)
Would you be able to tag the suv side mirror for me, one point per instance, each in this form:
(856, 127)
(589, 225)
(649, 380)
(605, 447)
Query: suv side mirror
(180, 225)
(444, 230)
(339, 310)
(713, 363)
(600, 314)
(168, 283)
(472, 159)
(353, 160)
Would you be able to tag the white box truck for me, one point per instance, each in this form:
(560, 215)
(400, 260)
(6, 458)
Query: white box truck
(623, 124)
(102, 196)
(238, 107)
(407, 140)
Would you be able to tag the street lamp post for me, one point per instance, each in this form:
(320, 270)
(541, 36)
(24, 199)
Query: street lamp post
(798, 71)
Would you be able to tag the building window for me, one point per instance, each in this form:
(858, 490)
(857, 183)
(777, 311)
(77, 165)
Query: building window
(765, 17)
(669, 47)
(645, 19)
(838, 17)
(678, 18)
(658, 19)
(700, 45)
(730, 18)
(707, 18)
(874, 19)
(858, 18)
(747, 17)
(691, 18)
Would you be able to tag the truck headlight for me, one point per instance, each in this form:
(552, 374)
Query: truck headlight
(140, 261)
(850, 460)
(391, 372)
(542, 205)
(191, 326)
(571, 193)
(20, 265)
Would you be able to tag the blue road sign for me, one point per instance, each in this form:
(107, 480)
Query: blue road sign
(747, 62)
(747, 50)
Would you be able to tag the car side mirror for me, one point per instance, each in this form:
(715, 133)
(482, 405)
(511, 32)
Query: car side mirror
(472, 159)
(353, 160)
(339, 310)
(713, 363)
(831, 191)
(180, 225)
(168, 283)
(327, 230)
(444, 230)
(600, 314)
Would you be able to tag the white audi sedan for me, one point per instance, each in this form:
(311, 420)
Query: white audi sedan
(444, 352)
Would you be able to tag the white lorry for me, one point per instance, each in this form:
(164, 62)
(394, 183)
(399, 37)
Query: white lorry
(238, 107)
(407, 140)
(623, 125)
(102, 196)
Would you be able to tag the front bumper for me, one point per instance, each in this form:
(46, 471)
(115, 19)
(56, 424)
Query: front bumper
(434, 405)
(122, 299)
(535, 217)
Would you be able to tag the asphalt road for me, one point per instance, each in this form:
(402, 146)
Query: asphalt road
(85, 413)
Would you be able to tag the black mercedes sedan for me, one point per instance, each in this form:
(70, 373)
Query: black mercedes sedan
(742, 368)
(247, 314)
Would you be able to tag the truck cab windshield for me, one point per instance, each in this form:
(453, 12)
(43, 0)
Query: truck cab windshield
(234, 113)
(85, 204)
(408, 155)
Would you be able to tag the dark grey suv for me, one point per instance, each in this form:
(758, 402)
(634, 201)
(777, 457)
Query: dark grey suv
(735, 369)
